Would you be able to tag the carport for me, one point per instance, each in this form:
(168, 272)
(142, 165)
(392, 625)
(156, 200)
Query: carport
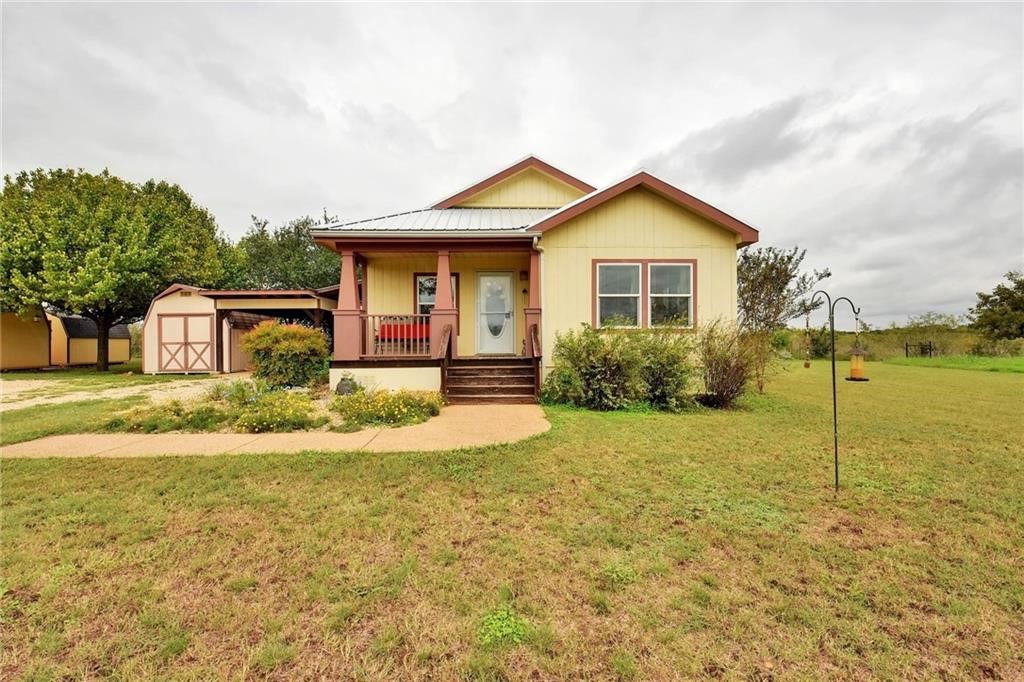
(189, 330)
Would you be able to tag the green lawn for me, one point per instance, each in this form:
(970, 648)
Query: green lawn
(617, 546)
(78, 416)
(985, 364)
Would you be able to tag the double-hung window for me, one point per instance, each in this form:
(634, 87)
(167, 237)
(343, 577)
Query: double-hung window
(426, 291)
(645, 293)
(670, 294)
(618, 294)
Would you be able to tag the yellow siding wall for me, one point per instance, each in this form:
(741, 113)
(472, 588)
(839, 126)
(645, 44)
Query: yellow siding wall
(637, 224)
(389, 287)
(527, 189)
(83, 351)
(58, 341)
(24, 344)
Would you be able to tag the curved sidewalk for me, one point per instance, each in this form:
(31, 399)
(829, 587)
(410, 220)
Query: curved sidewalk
(458, 426)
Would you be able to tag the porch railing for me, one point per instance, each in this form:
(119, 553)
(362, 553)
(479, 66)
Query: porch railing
(396, 336)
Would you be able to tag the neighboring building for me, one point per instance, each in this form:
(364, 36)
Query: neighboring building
(74, 341)
(192, 330)
(467, 296)
(24, 341)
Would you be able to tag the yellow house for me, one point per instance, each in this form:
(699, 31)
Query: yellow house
(24, 341)
(467, 296)
(73, 341)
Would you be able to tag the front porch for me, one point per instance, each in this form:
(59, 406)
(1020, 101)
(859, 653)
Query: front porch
(429, 310)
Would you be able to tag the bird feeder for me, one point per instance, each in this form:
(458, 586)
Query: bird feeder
(856, 363)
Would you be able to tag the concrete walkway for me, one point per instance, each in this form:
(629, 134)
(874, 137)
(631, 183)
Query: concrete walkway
(458, 426)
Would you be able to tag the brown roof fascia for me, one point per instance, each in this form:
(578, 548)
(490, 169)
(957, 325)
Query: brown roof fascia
(747, 234)
(528, 162)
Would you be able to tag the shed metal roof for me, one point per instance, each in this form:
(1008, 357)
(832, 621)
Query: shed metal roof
(459, 220)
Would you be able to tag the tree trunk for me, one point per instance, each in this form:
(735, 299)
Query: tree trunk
(102, 343)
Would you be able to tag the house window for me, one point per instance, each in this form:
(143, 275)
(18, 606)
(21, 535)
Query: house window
(654, 292)
(670, 299)
(618, 295)
(426, 290)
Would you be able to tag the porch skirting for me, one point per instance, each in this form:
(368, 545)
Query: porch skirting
(383, 375)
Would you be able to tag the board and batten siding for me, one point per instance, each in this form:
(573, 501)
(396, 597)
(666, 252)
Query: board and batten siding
(527, 189)
(637, 224)
(390, 289)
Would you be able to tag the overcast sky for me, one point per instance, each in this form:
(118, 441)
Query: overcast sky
(886, 139)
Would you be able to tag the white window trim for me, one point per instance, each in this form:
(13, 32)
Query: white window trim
(688, 297)
(638, 296)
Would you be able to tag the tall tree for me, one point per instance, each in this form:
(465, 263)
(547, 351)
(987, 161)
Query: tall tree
(96, 245)
(771, 290)
(999, 314)
(285, 257)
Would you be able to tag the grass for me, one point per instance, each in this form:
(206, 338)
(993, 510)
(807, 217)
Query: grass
(617, 546)
(80, 416)
(975, 362)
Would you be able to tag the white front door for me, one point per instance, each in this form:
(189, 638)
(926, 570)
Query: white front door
(495, 328)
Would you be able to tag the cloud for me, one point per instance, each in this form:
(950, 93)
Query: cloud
(885, 139)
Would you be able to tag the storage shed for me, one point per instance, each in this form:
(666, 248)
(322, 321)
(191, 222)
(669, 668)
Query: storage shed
(24, 341)
(191, 330)
(74, 341)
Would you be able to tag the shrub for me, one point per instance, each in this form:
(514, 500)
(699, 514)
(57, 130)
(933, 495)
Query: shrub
(391, 408)
(278, 411)
(594, 370)
(170, 416)
(724, 363)
(666, 367)
(1006, 348)
(287, 354)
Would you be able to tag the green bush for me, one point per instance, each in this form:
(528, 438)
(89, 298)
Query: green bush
(390, 408)
(287, 354)
(1001, 348)
(278, 411)
(595, 370)
(666, 367)
(725, 365)
(617, 369)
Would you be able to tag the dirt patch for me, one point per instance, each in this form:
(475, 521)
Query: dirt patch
(16, 394)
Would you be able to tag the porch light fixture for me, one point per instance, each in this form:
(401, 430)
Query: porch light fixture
(856, 364)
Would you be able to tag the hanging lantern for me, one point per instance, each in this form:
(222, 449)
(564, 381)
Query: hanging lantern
(856, 363)
(807, 342)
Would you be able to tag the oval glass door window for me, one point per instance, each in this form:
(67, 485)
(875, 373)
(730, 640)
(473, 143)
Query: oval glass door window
(495, 313)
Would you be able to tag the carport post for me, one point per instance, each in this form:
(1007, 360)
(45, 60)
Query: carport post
(218, 327)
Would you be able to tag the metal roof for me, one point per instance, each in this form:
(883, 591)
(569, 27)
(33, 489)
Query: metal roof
(460, 220)
(78, 327)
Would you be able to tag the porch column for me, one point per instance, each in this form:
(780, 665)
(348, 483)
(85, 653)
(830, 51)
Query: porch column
(444, 311)
(532, 310)
(348, 329)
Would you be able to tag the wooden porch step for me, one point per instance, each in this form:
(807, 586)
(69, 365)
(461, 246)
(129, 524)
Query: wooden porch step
(511, 372)
(491, 389)
(491, 399)
(492, 361)
(462, 380)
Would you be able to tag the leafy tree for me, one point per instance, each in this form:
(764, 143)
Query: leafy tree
(285, 257)
(771, 290)
(99, 246)
(1000, 314)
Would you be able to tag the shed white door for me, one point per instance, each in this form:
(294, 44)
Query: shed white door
(186, 343)
(495, 331)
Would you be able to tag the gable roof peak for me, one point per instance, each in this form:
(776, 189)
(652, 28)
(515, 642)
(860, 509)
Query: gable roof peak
(643, 178)
(531, 161)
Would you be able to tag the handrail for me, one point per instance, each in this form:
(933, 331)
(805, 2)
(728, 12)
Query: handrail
(535, 338)
(443, 350)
